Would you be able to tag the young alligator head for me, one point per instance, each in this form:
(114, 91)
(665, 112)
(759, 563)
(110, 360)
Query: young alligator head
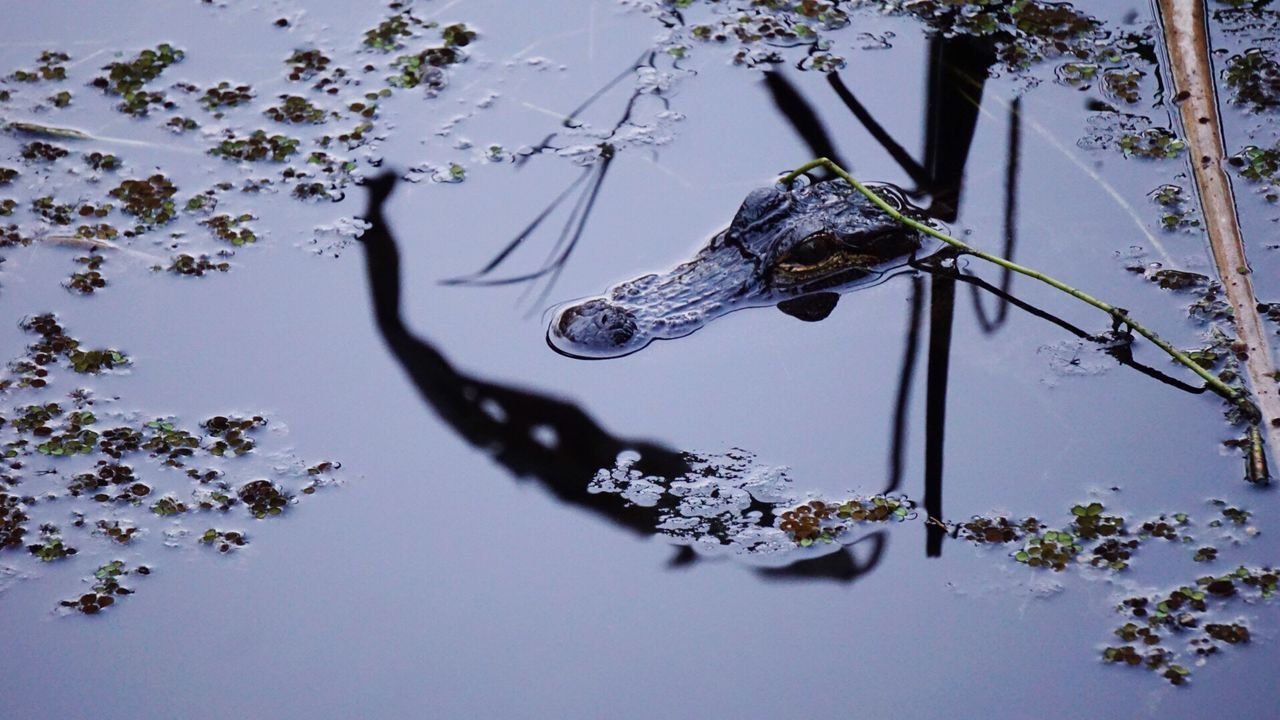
(793, 248)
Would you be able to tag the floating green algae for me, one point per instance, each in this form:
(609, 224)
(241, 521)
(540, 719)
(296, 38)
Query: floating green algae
(129, 79)
(255, 146)
(142, 472)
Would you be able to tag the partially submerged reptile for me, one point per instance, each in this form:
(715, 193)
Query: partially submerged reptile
(797, 249)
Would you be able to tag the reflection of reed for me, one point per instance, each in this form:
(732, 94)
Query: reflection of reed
(942, 306)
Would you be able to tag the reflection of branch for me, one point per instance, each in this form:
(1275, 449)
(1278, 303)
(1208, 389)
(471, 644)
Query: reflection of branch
(843, 566)
(953, 116)
(800, 114)
(576, 223)
(572, 232)
(901, 403)
(899, 154)
(519, 239)
(1010, 221)
(1121, 351)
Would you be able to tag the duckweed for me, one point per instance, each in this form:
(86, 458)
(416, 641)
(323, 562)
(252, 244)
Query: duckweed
(168, 506)
(224, 95)
(390, 33)
(1232, 514)
(73, 428)
(1052, 549)
(1254, 79)
(1164, 528)
(101, 231)
(224, 540)
(295, 109)
(56, 213)
(219, 498)
(106, 588)
(457, 35)
(55, 343)
(105, 475)
(180, 124)
(351, 139)
(1177, 208)
(75, 438)
(231, 433)
(1090, 523)
(1257, 164)
(90, 280)
(102, 161)
(1151, 143)
(1210, 306)
(256, 146)
(195, 266)
(996, 530)
(817, 520)
(321, 475)
(1171, 278)
(1157, 619)
(51, 546)
(263, 498)
(50, 68)
(120, 441)
(169, 442)
(150, 200)
(1206, 554)
(12, 519)
(306, 64)
(119, 531)
(43, 152)
(232, 228)
(127, 79)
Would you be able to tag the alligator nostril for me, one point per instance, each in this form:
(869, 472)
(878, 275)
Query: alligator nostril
(596, 328)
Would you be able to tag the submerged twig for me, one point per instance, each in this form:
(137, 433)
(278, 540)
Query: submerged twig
(1120, 316)
(1188, 46)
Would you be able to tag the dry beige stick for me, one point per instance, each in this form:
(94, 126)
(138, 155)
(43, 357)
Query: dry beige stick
(80, 243)
(1187, 40)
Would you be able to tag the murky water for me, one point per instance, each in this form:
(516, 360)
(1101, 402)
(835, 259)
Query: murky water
(428, 579)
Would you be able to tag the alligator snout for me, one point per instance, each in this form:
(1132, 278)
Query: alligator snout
(594, 329)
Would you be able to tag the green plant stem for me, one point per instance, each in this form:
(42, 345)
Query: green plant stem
(1240, 398)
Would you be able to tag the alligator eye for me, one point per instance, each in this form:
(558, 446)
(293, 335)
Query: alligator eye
(811, 251)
